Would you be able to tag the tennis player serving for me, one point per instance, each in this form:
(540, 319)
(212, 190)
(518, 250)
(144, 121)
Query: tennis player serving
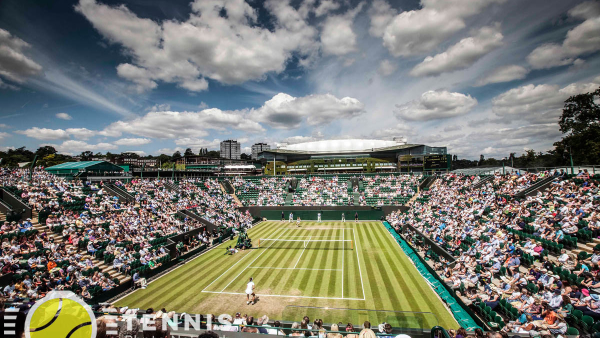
(250, 292)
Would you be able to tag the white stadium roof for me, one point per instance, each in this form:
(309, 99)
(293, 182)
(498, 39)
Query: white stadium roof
(349, 145)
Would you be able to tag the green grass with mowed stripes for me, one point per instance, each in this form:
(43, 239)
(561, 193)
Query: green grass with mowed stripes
(335, 271)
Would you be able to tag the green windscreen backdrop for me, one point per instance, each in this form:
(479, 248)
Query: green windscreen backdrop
(326, 215)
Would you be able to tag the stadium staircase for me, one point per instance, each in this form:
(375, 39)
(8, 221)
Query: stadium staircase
(104, 268)
(171, 186)
(5, 209)
(289, 198)
(228, 189)
(123, 195)
(427, 182)
(353, 182)
(210, 226)
(294, 183)
(414, 198)
(13, 205)
(540, 185)
(482, 182)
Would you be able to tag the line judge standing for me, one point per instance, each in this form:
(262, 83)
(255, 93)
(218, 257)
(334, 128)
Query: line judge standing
(250, 292)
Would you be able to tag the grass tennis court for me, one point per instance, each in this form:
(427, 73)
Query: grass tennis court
(330, 264)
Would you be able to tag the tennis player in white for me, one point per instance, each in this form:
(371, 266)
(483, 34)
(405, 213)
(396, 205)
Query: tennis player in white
(250, 292)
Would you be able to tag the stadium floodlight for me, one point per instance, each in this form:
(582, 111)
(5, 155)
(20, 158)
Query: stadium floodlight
(324, 244)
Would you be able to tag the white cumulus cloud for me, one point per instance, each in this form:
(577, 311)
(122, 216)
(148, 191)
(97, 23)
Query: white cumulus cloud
(434, 105)
(14, 64)
(461, 55)
(45, 133)
(172, 124)
(537, 103)
(220, 40)
(581, 40)
(64, 116)
(57, 134)
(73, 147)
(337, 36)
(420, 31)
(288, 112)
(504, 74)
(132, 141)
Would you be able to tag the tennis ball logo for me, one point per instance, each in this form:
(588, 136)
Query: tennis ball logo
(61, 314)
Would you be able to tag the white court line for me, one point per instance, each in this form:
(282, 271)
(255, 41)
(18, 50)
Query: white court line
(285, 296)
(343, 254)
(302, 253)
(216, 279)
(269, 267)
(250, 264)
(362, 285)
(319, 228)
(226, 270)
(312, 236)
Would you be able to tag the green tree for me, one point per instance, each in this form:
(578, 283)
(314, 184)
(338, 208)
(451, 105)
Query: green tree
(45, 151)
(86, 155)
(162, 158)
(580, 124)
(213, 153)
(188, 152)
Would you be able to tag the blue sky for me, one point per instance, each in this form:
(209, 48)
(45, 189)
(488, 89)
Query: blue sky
(479, 76)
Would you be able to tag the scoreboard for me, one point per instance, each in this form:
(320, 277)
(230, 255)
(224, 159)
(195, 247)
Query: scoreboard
(435, 162)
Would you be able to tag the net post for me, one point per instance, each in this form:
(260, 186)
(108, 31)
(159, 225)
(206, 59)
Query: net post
(258, 243)
(351, 244)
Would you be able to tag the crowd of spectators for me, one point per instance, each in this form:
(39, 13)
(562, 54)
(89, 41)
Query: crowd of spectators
(388, 189)
(206, 197)
(264, 191)
(322, 190)
(517, 256)
(80, 221)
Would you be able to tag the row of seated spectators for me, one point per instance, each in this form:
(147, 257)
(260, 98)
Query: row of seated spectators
(388, 189)
(515, 260)
(88, 222)
(322, 190)
(206, 198)
(263, 191)
(514, 182)
(374, 190)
